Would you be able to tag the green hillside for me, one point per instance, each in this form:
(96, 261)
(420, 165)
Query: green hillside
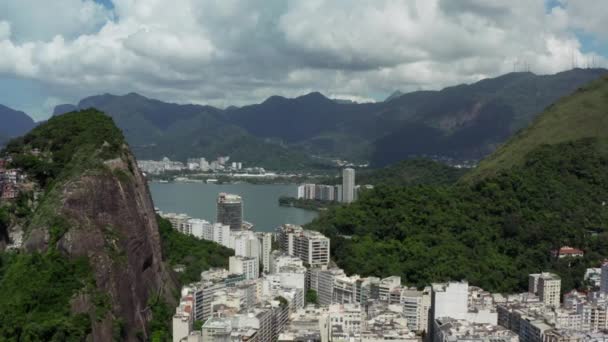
(583, 114)
(546, 188)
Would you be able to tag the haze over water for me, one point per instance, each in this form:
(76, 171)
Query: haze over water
(260, 207)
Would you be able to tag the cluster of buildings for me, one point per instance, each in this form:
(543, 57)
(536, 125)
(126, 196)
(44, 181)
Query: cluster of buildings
(10, 180)
(263, 294)
(221, 164)
(347, 192)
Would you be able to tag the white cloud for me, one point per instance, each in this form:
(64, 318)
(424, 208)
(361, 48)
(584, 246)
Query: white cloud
(226, 52)
(588, 15)
(40, 20)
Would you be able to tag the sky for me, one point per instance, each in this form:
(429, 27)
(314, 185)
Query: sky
(236, 52)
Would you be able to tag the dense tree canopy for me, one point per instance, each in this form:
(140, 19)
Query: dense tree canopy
(492, 233)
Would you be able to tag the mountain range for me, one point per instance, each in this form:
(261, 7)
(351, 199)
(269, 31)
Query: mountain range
(464, 122)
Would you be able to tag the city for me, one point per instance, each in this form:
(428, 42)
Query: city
(303, 171)
(283, 286)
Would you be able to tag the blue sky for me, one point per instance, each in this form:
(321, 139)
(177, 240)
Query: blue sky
(242, 51)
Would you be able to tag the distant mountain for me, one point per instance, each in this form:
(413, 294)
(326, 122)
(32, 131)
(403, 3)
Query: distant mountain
(155, 129)
(464, 122)
(394, 95)
(64, 108)
(470, 121)
(14, 123)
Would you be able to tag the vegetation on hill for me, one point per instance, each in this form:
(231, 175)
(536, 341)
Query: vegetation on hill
(583, 114)
(492, 234)
(496, 230)
(194, 254)
(36, 290)
(66, 144)
(411, 172)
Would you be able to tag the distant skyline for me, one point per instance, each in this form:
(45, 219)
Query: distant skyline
(235, 52)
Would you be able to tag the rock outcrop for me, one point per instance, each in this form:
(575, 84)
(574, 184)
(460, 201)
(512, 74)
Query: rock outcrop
(100, 207)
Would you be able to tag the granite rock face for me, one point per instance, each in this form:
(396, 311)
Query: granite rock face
(111, 221)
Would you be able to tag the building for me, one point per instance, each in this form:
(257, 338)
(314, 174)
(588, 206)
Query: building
(346, 320)
(203, 292)
(604, 278)
(449, 300)
(246, 244)
(182, 325)
(455, 330)
(217, 232)
(325, 193)
(567, 252)
(217, 329)
(196, 228)
(244, 265)
(594, 276)
(310, 246)
(416, 305)
(230, 211)
(307, 191)
(265, 240)
(178, 221)
(348, 185)
(279, 259)
(345, 289)
(388, 285)
(308, 324)
(338, 193)
(548, 288)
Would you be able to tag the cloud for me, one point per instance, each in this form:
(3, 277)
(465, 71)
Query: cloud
(587, 15)
(225, 52)
(35, 20)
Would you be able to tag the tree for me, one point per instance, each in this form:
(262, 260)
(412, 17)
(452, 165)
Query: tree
(311, 297)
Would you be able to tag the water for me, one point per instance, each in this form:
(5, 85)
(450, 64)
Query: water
(260, 202)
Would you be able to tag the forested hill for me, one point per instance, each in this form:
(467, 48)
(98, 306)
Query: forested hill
(494, 231)
(90, 260)
(411, 172)
(583, 114)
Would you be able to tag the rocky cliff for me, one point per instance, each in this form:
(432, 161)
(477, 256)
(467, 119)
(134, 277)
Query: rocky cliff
(90, 201)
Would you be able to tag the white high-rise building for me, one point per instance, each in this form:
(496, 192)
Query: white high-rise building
(310, 246)
(416, 305)
(244, 265)
(307, 191)
(197, 228)
(245, 243)
(549, 289)
(448, 300)
(604, 278)
(265, 250)
(348, 185)
(217, 232)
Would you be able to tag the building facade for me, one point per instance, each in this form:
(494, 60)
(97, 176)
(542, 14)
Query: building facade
(230, 211)
(348, 185)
